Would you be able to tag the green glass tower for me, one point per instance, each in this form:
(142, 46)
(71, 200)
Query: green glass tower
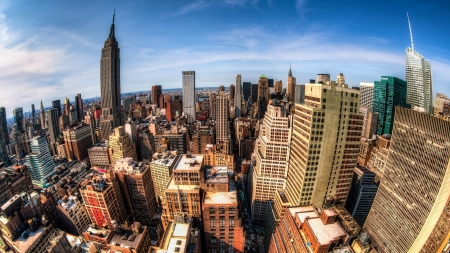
(388, 93)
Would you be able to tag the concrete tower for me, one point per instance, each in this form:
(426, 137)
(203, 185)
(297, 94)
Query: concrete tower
(221, 117)
(238, 96)
(290, 89)
(189, 94)
(110, 85)
(42, 115)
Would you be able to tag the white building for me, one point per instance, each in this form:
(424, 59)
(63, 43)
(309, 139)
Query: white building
(366, 89)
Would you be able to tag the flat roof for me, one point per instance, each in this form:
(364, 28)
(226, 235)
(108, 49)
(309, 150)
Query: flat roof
(325, 234)
(181, 230)
(25, 244)
(173, 186)
(179, 243)
(221, 198)
(216, 174)
(184, 163)
(303, 215)
(297, 209)
(118, 239)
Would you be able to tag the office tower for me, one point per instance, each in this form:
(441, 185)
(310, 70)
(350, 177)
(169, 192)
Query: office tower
(18, 119)
(340, 79)
(103, 200)
(279, 87)
(136, 184)
(77, 140)
(246, 90)
(53, 124)
(388, 93)
(42, 116)
(322, 78)
(156, 93)
(40, 162)
(254, 93)
(238, 96)
(161, 168)
(370, 123)
(22, 144)
(202, 137)
(178, 140)
(189, 95)
(73, 116)
(180, 236)
(299, 94)
(74, 216)
(366, 90)
(291, 83)
(272, 154)
(441, 105)
(99, 155)
(183, 194)
(231, 92)
(110, 85)
(362, 194)
(121, 145)
(413, 194)
(66, 107)
(221, 117)
(263, 96)
(270, 83)
(79, 106)
(327, 126)
(168, 106)
(212, 101)
(221, 88)
(57, 104)
(33, 115)
(4, 138)
(419, 79)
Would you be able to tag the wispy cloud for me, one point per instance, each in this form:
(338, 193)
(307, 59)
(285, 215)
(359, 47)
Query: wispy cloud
(192, 7)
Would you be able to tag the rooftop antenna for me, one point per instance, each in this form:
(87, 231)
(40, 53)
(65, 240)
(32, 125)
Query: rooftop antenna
(114, 15)
(410, 32)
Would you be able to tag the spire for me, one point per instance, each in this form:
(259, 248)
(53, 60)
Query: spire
(290, 72)
(410, 32)
(111, 31)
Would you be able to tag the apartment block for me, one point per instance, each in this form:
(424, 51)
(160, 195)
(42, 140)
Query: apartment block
(121, 145)
(161, 169)
(77, 140)
(73, 215)
(99, 155)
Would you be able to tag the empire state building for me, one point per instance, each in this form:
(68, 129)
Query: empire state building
(110, 85)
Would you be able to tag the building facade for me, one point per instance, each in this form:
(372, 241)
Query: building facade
(222, 125)
(366, 89)
(121, 145)
(77, 141)
(40, 163)
(189, 95)
(420, 82)
(238, 96)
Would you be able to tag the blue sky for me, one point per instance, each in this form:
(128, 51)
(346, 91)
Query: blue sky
(51, 49)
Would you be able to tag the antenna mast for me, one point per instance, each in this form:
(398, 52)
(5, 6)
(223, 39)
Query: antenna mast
(410, 32)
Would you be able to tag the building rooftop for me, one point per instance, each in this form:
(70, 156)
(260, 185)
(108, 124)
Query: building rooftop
(25, 243)
(172, 186)
(221, 198)
(216, 174)
(325, 234)
(100, 146)
(165, 158)
(189, 162)
(301, 209)
(127, 238)
(303, 215)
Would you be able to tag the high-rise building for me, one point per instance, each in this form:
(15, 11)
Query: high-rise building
(161, 168)
(272, 153)
(73, 214)
(66, 107)
(103, 200)
(53, 124)
(222, 125)
(419, 79)
(121, 146)
(146, 145)
(322, 78)
(189, 95)
(18, 119)
(263, 96)
(270, 83)
(136, 184)
(254, 93)
(168, 106)
(40, 162)
(77, 141)
(33, 115)
(388, 93)
(441, 105)
(231, 92)
(370, 123)
(299, 94)
(238, 96)
(79, 106)
(99, 155)
(362, 194)
(212, 101)
(366, 89)
(4, 138)
(110, 85)
(57, 105)
(291, 83)
(42, 116)
(246, 90)
(413, 194)
(279, 87)
(340, 79)
(327, 126)
(156, 93)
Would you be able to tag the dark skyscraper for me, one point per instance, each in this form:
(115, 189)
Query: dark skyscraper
(57, 104)
(42, 115)
(79, 106)
(53, 124)
(18, 118)
(156, 93)
(33, 114)
(4, 137)
(246, 88)
(110, 85)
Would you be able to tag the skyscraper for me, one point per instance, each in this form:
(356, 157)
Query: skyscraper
(121, 146)
(238, 96)
(279, 87)
(419, 79)
(79, 106)
(328, 126)
(42, 115)
(231, 92)
(33, 115)
(18, 119)
(271, 168)
(290, 89)
(366, 90)
(388, 93)
(246, 90)
(53, 124)
(156, 93)
(221, 117)
(414, 192)
(189, 94)
(110, 85)
(4, 137)
(77, 140)
(57, 104)
(323, 78)
(263, 96)
(39, 161)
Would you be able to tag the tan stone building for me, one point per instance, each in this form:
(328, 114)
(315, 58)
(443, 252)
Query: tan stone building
(121, 145)
(161, 168)
(325, 144)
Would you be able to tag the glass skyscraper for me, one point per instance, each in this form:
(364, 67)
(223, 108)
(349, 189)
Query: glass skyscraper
(388, 93)
(40, 162)
(189, 95)
(420, 82)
